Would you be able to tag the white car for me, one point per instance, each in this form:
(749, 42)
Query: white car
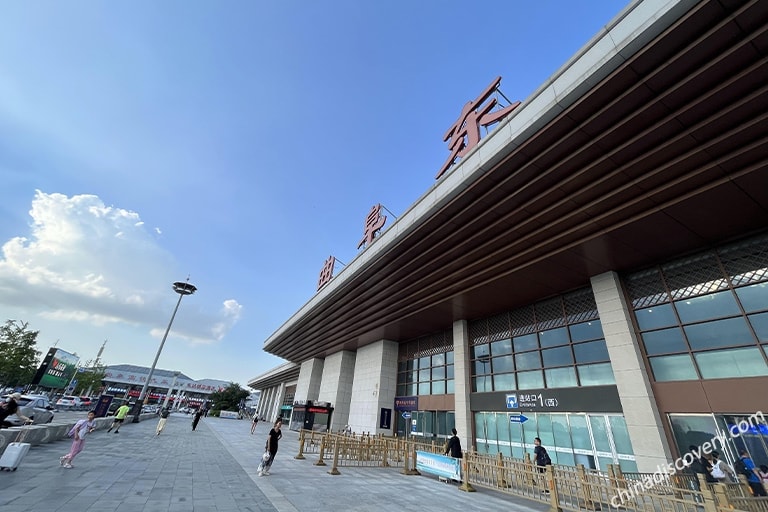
(35, 407)
(69, 401)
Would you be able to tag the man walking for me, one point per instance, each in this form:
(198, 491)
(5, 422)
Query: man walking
(542, 460)
(120, 415)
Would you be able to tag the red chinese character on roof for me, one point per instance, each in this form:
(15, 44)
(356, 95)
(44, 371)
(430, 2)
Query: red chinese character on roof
(465, 132)
(373, 223)
(327, 272)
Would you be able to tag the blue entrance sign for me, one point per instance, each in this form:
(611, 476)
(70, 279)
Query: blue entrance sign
(512, 401)
(406, 415)
(517, 418)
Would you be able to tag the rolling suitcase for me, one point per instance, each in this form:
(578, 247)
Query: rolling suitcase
(15, 452)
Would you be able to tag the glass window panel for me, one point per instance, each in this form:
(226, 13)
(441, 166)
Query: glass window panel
(480, 351)
(438, 359)
(449, 357)
(714, 305)
(425, 362)
(424, 388)
(530, 430)
(669, 368)
(504, 364)
(482, 366)
(720, 333)
(554, 337)
(450, 386)
(603, 462)
(412, 376)
(424, 375)
(528, 360)
(658, 316)
(596, 374)
(579, 432)
(628, 466)
(501, 347)
(560, 356)
(504, 381)
(515, 432)
(591, 352)
(545, 429)
(665, 341)
(402, 366)
(620, 435)
(483, 383)
(565, 458)
(600, 433)
(401, 390)
(410, 364)
(530, 380)
(760, 325)
(502, 427)
(560, 431)
(449, 371)
(412, 389)
(692, 430)
(561, 377)
(438, 387)
(754, 297)
(586, 331)
(527, 342)
(438, 373)
(740, 362)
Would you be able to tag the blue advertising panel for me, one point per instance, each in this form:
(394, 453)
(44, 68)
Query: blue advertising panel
(440, 465)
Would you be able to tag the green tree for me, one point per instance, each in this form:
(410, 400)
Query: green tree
(229, 398)
(90, 379)
(18, 357)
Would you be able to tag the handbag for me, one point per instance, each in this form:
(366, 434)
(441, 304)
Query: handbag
(717, 471)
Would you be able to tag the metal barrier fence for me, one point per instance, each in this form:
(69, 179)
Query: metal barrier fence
(572, 488)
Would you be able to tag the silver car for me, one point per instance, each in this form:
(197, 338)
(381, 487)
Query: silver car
(36, 407)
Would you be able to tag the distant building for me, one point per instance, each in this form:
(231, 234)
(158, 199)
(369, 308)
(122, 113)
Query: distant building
(126, 381)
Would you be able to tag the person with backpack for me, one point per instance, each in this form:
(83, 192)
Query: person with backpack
(542, 460)
(721, 471)
(746, 467)
(453, 446)
(164, 413)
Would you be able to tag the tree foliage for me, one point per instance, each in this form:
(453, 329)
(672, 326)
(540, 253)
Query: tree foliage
(18, 356)
(229, 398)
(90, 379)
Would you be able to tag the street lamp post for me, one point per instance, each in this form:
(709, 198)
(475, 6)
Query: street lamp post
(182, 289)
(170, 390)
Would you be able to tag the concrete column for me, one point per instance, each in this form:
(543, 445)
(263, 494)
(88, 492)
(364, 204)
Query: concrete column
(279, 395)
(646, 431)
(310, 376)
(374, 386)
(462, 383)
(336, 386)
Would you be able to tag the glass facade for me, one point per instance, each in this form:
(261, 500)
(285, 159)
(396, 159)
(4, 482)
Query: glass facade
(425, 366)
(705, 316)
(552, 344)
(594, 440)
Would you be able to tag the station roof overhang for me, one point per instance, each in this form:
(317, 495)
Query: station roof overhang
(648, 144)
(285, 373)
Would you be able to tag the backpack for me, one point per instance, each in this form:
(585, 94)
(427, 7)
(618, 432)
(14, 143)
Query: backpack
(741, 468)
(717, 471)
(543, 458)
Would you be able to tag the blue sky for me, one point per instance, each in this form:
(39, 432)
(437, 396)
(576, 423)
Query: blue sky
(239, 143)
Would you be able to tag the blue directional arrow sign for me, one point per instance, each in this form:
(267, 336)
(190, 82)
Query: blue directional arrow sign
(517, 418)
(406, 415)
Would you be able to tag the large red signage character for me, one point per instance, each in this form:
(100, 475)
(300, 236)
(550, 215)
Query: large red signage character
(465, 132)
(327, 273)
(373, 223)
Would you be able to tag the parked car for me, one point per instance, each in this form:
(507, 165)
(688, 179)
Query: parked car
(35, 407)
(69, 401)
(86, 401)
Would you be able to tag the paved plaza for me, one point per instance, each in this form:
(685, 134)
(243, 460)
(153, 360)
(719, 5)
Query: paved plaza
(214, 469)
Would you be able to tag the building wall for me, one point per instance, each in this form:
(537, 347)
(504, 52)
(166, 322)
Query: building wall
(310, 376)
(374, 386)
(336, 386)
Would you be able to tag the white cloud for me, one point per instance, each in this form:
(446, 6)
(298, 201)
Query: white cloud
(92, 264)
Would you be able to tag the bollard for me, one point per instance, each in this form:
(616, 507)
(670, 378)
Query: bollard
(465, 485)
(320, 461)
(501, 482)
(300, 456)
(554, 498)
(335, 469)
